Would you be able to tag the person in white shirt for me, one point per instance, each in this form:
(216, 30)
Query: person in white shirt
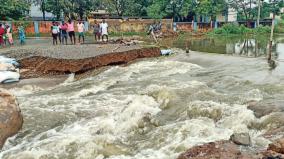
(104, 30)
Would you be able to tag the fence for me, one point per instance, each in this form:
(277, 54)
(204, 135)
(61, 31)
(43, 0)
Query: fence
(115, 25)
(131, 25)
(194, 26)
(205, 27)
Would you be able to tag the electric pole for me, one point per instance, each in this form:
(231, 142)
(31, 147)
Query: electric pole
(272, 31)
(258, 15)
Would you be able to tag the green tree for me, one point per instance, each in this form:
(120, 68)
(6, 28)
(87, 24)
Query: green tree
(171, 8)
(54, 7)
(71, 8)
(247, 9)
(157, 9)
(244, 8)
(13, 9)
(42, 4)
(127, 7)
(117, 6)
(211, 8)
(137, 7)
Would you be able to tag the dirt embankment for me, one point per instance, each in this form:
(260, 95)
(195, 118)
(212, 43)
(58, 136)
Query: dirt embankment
(38, 66)
(11, 119)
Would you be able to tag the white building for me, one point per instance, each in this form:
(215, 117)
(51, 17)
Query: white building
(36, 13)
(232, 15)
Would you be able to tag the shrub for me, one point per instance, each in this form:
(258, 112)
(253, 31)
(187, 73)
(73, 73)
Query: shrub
(282, 16)
(231, 28)
(262, 29)
(240, 29)
(279, 28)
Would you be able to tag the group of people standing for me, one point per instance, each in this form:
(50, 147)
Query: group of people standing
(100, 30)
(6, 35)
(61, 31)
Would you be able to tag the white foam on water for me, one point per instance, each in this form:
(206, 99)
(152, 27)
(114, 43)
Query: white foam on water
(113, 112)
(178, 137)
(91, 135)
(144, 71)
(70, 79)
(254, 95)
(234, 117)
(159, 69)
(25, 90)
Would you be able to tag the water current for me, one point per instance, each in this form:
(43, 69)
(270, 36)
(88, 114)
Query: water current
(152, 109)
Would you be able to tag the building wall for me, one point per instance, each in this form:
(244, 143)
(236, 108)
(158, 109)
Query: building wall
(133, 25)
(221, 18)
(115, 25)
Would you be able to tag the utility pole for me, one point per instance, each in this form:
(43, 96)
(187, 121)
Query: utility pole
(258, 14)
(43, 10)
(272, 32)
(271, 37)
(57, 10)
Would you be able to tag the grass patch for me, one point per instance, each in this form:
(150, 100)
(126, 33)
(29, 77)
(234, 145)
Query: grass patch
(235, 29)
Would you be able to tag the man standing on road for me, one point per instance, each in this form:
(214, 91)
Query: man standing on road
(104, 30)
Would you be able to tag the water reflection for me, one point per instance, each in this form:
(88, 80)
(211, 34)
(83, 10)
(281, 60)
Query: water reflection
(245, 46)
(238, 45)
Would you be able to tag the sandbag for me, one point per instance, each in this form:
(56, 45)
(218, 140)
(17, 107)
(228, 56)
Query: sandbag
(9, 76)
(7, 67)
(166, 52)
(9, 60)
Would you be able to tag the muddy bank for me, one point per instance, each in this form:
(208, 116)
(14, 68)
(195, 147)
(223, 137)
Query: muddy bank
(11, 119)
(38, 66)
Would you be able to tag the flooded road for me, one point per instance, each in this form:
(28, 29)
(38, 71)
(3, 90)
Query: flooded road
(152, 109)
(249, 46)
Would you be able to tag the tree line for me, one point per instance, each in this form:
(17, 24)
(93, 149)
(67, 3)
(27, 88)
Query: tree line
(178, 9)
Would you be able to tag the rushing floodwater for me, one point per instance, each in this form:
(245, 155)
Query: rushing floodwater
(152, 109)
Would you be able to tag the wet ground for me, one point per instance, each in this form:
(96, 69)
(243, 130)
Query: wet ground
(43, 47)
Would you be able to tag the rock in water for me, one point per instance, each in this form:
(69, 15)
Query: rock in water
(216, 150)
(277, 146)
(241, 139)
(11, 120)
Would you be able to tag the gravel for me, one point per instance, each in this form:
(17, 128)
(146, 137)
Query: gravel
(46, 49)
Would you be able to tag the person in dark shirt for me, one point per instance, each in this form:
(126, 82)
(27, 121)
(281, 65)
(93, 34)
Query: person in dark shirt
(97, 31)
